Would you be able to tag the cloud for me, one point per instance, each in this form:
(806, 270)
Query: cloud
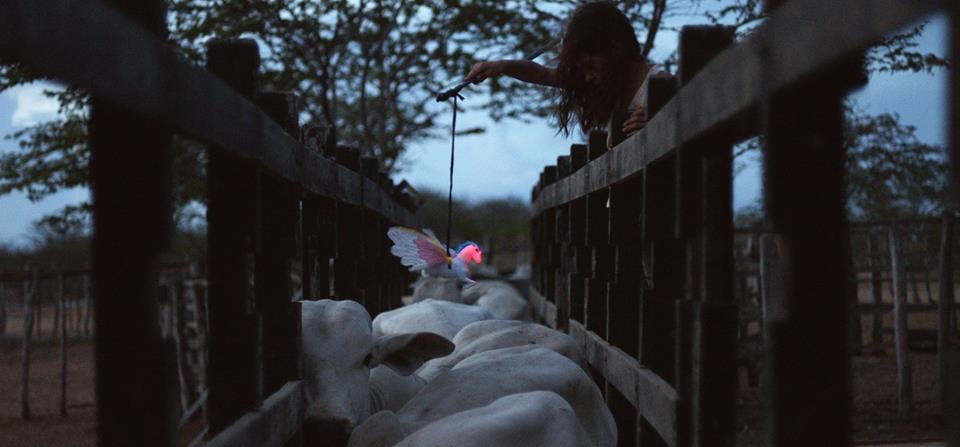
(31, 106)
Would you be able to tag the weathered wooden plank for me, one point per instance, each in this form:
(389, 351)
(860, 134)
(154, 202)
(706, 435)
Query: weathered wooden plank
(653, 397)
(730, 89)
(93, 46)
(272, 424)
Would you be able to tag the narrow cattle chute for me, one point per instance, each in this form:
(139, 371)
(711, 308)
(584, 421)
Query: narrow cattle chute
(633, 246)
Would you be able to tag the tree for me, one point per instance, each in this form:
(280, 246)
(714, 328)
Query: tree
(370, 68)
(500, 226)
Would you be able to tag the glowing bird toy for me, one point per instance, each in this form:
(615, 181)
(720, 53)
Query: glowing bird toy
(423, 252)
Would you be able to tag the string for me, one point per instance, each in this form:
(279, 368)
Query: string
(453, 139)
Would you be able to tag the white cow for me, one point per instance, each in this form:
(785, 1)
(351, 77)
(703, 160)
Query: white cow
(537, 418)
(338, 352)
(488, 335)
(444, 289)
(470, 295)
(440, 317)
(505, 304)
(483, 378)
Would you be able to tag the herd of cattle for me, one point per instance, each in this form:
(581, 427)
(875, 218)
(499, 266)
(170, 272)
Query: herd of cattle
(450, 368)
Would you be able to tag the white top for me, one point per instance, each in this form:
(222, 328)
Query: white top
(638, 101)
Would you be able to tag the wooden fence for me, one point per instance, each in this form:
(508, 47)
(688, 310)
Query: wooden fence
(633, 246)
(263, 185)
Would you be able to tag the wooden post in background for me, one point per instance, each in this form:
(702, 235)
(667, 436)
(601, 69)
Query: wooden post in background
(29, 296)
(87, 305)
(63, 344)
(876, 290)
(3, 309)
(900, 334)
(945, 305)
(233, 373)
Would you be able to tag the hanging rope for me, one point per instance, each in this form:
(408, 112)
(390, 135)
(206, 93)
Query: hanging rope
(453, 140)
(454, 94)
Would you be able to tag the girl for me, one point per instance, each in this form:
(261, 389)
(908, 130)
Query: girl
(601, 72)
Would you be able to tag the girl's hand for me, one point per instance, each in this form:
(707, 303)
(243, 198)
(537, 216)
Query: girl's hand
(636, 121)
(484, 70)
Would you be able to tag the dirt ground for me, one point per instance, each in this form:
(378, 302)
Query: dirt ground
(874, 401)
(46, 427)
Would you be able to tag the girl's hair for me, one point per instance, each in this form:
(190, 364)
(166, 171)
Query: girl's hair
(595, 29)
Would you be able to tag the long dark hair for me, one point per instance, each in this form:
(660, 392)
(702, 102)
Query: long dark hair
(595, 29)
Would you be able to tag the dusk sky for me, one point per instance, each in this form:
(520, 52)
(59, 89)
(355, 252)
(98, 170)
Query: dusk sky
(507, 159)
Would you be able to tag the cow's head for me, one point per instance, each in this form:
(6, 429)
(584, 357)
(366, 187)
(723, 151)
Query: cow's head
(338, 353)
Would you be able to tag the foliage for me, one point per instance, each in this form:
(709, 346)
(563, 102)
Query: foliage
(892, 173)
(500, 226)
(372, 68)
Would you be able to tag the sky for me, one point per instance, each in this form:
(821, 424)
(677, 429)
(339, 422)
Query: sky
(508, 158)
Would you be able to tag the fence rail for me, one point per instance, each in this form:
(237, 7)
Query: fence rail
(274, 195)
(633, 246)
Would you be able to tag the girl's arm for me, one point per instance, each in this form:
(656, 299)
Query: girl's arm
(524, 70)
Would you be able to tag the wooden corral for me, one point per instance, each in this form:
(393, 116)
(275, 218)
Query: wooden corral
(264, 183)
(634, 245)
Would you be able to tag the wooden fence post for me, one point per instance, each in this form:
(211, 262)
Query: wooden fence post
(952, 395)
(808, 356)
(370, 238)
(319, 231)
(562, 243)
(624, 293)
(29, 297)
(348, 234)
(61, 304)
(131, 174)
(663, 262)
(87, 304)
(3, 309)
(233, 373)
(277, 217)
(707, 371)
(900, 334)
(945, 305)
(577, 214)
(38, 309)
(876, 290)
(595, 301)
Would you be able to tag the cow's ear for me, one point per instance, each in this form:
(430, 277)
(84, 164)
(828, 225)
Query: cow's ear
(405, 353)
